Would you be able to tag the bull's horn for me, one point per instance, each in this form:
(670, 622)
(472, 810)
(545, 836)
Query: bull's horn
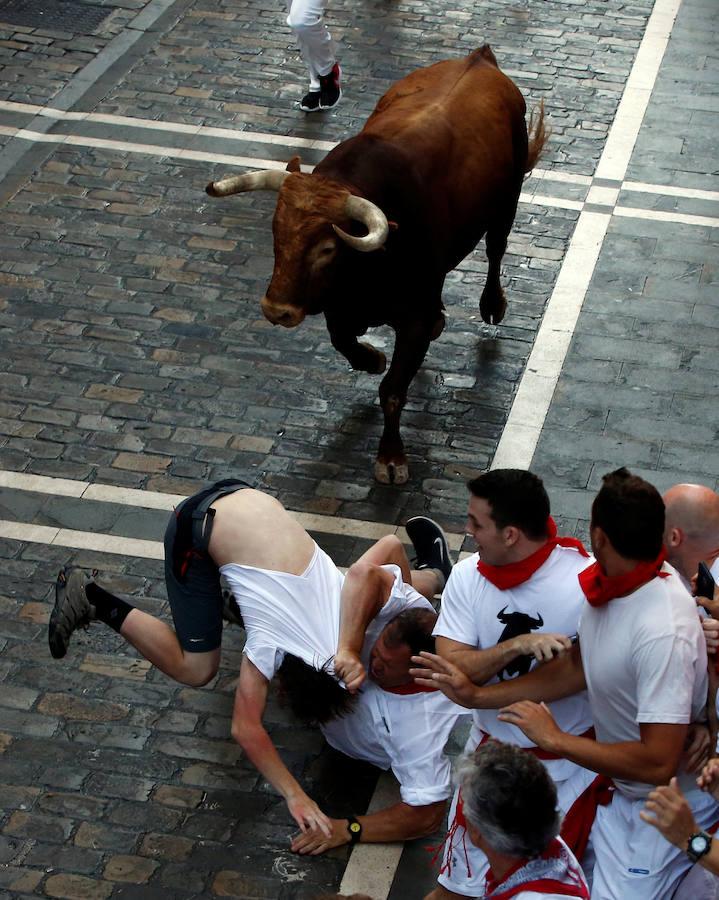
(372, 217)
(266, 180)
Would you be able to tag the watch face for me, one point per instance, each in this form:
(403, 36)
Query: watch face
(699, 843)
(355, 827)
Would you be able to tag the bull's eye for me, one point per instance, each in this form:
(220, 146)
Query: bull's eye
(324, 252)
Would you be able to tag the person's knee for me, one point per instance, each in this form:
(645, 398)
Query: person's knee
(198, 672)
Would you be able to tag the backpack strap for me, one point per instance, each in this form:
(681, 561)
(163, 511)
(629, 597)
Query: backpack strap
(203, 516)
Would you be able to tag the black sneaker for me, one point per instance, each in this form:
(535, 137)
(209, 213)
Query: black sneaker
(430, 545)
(72, 609)
(310, 102)
(330, 90)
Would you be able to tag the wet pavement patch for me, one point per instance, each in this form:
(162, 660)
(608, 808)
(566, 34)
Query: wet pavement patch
(79, 18)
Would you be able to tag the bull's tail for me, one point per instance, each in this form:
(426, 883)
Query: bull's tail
(538, 134)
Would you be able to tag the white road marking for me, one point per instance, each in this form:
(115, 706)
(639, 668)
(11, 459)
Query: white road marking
(531, 404)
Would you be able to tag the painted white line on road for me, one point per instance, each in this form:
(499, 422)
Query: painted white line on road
(669, 191)
(531, 404)
(81, 540)
(624, 132)
(655, 215)
(108, 493)
(371, 867)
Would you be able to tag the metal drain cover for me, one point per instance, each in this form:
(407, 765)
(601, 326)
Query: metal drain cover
(63, 15)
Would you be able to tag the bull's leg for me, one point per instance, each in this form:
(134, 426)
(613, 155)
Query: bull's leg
(410, 348)
(361, 356)
(492, 303)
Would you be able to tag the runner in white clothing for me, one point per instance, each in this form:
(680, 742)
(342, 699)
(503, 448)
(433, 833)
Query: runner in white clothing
(510, 813)
(303, 619)
(642, 657)
(515, 602)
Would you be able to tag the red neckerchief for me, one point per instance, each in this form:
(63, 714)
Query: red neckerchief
(513, 574)
(600, 588)
(554, 872)
(410, 688)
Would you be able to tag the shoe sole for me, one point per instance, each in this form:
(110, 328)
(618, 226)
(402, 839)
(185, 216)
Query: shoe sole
(325, 108)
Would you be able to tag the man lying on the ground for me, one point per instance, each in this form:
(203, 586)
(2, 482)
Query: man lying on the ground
(303, 620)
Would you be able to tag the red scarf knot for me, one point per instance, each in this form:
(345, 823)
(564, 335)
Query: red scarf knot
(513, 574)
(600, 588)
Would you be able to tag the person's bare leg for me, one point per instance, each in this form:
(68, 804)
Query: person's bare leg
(158, 643)
(389, 550)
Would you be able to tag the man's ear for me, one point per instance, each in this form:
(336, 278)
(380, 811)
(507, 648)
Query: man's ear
(293, 165)
(599, 537)
(511, 535)
(674, 537)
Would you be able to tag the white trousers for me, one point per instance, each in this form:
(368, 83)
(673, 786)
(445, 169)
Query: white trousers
(306, 20)
(633, 859)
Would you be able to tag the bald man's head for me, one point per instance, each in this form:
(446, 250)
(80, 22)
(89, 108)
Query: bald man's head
(691, 531)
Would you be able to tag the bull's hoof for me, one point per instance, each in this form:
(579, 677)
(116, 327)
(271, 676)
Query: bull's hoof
(375, 361)
(492, 308)
(391, 472)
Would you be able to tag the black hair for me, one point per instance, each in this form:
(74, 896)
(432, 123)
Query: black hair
(313, 695)
(414, 628)
(630, 511)
(515, 497)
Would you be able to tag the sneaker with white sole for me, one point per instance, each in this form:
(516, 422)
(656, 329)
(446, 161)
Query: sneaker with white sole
(310, 102)
(430, 545)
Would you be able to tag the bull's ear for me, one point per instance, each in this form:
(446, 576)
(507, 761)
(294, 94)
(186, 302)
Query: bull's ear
(294, 164)
(393, 226)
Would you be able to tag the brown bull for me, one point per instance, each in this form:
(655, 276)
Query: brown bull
(369, 236)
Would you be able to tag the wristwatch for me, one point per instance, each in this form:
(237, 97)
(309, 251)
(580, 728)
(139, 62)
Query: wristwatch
(354, 828)
(699, 845)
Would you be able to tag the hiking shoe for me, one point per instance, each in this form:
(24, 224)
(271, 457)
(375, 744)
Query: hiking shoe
(72, 609)
(430, 545)
(330, 91)
(310, 102)
(230, 609)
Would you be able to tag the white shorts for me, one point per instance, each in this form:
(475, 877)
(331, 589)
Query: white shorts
(633, 859)
(465, 872)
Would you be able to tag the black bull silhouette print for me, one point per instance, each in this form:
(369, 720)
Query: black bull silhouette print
(515, 624)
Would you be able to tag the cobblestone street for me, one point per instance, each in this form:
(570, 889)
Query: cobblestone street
(137, 366)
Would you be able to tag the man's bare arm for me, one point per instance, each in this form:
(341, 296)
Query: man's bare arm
(653, 759)
(364, 592)
(561, 677)
(399, 822)
(250, 734)
(481, 665)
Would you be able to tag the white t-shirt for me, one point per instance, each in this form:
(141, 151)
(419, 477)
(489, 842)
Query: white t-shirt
(300, 614)
(477, 613)
(404, 732)
(645, 661)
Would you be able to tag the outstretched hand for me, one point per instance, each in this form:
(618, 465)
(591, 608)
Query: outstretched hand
(535, 720)
(668, 811)
(308, 815)
(437, 672)
(349, 668)
(315, 842)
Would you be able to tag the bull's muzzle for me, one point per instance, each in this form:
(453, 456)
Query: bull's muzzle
(282, 314)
